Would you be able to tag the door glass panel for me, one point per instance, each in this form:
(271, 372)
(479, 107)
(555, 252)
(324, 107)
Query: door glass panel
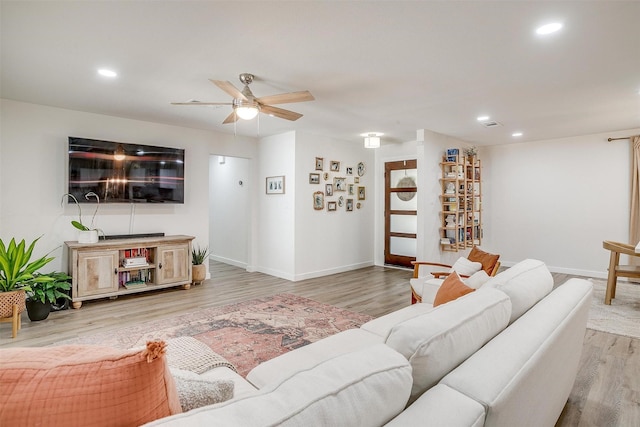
(404, 224)
(403, 246)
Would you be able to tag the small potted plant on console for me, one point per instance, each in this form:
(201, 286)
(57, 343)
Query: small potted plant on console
(199, 269)
(87, 234)
(46, 290)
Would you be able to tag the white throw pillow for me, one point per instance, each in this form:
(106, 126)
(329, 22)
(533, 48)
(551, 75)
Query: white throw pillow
(464, 267)
(477, 279)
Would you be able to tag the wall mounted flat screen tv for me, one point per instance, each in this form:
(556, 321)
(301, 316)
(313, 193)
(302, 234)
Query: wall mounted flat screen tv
(125, 173)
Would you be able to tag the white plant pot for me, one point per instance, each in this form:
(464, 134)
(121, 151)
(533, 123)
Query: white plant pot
(90, 236)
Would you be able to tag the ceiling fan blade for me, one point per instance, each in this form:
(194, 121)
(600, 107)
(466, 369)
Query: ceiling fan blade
(201, 103)
(279, 112)
(286, 98)
(229, 88)
(233, 117)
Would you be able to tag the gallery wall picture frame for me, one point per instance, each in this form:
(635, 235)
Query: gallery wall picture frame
(319, 163)
(339, 183)
(318, 200)
(332, 206)
(356, 180)
(349, 170)
(361, 193)
(326, 176)
(328, 189)
(349, 206)
(334, 166)
(274, 184)
(351, 190)
(314, 178)
(361, 169)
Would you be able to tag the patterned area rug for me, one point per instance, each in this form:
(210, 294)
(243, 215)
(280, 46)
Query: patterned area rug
(622, 317)
(246, 333)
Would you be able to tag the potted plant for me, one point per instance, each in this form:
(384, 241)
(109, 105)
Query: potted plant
(44, 293)
(198, 270)
(87, 234)
(17, 274)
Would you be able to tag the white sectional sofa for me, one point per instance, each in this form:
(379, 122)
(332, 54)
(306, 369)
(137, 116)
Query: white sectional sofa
(504, 355)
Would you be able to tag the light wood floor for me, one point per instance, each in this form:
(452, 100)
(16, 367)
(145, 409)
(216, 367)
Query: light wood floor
(606, 391)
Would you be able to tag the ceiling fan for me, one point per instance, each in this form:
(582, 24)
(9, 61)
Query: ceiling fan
(246, 105)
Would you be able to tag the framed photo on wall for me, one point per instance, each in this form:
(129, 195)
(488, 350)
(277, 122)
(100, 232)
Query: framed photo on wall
(340, 184)
(274, 185)
(334, 166)
(361, 193)
(332, 206)
(318, 200)
(319, 163)
(314, 178)
(349, 205)
(328, 189)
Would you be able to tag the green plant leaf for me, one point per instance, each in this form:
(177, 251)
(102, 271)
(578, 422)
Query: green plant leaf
(79, 226)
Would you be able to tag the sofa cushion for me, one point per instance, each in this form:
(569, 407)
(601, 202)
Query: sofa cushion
(438, 341)
(525, 374)
(84, 385)
(279, 368)
(382, 325)
(365, 388)
(451, 289)
(441, 406)
(487, 260)
(526, 283)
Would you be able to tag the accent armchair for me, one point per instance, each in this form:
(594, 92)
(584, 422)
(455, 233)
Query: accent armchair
(463, 266)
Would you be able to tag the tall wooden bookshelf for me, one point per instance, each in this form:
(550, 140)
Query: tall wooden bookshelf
(461, 201)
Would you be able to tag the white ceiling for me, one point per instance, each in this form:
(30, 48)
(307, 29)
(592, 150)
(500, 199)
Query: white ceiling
(386, 66)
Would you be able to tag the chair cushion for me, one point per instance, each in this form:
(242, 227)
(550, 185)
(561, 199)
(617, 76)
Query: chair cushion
(465, 267)
(452, 288)
(526, 283)
(438, 341)
(487, 260)
(85, 385)
(365, 388)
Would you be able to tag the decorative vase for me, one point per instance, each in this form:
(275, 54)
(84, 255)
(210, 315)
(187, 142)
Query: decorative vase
(198, 273)
(89, 236)
(8, 299)
(37, 310)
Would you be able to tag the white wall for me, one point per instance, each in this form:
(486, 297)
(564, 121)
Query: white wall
(230, 201)
(557, 200)
(332, 242)
(276, 212)
(33, 147)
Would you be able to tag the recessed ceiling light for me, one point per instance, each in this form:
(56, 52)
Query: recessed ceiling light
(107, 73)
(483, 118)
(516, 134)
(549, 28)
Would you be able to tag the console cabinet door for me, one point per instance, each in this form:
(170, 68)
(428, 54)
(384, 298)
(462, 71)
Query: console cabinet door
(97, 272)
(174, 264)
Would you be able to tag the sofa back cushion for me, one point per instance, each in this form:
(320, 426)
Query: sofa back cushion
(438, 341)
(526, 283)
(83, 385)
(365, 388)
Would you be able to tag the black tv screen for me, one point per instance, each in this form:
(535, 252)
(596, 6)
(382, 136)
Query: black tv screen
(125, 173)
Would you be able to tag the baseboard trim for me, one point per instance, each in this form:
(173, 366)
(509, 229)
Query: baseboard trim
(229, 261)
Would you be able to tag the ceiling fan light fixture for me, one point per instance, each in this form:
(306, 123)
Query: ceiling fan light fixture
(119, 154)
(372, 139)
(247, 112)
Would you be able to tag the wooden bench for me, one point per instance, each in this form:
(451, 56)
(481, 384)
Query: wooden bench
(616, 270)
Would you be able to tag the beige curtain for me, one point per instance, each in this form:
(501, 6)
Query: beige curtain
(634, 219)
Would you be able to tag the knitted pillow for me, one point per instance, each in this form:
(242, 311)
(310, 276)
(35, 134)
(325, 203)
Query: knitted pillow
(195, 391)
(84, 385)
